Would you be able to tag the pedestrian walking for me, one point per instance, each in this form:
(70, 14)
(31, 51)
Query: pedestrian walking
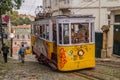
(5, 51)
(21, 52)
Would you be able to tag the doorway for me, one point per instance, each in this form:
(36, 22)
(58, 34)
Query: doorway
(116, 40)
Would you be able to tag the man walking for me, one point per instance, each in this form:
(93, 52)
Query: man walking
(5, 51)
(22, 53)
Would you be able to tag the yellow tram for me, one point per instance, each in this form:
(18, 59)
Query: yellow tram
(65, 43)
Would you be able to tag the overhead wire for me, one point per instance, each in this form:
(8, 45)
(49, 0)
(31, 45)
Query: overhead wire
(80, 8)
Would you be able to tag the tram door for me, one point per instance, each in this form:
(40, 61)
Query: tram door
(116, 47)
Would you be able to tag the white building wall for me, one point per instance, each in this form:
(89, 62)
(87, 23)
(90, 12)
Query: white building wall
(97, 8)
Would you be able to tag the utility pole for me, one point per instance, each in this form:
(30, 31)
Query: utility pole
(1, 27)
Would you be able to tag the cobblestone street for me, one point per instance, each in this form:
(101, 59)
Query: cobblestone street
(32, 70)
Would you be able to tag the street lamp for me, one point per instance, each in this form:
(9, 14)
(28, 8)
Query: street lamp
(11, 36)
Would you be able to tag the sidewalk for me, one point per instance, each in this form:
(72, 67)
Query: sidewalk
(114, 58)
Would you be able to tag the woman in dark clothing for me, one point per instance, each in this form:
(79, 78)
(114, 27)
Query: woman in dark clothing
(5, 51)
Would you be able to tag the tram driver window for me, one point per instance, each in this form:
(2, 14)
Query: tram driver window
(60, 33)
(79, 33)
(54, 33)
(66, 33)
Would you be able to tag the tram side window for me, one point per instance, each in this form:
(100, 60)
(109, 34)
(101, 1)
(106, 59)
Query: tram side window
(35, 30)
(60, 33)
(54, 33)
(32, 29)
(44, 31)
(66, 33)
(47, 32)
(79, 33)
(40, 31)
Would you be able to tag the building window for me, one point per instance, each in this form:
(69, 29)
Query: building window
(15, 43)
(117, 18)
(108, 19)
(28, 36)
(66, 2)
(23, 36)
(17, 36)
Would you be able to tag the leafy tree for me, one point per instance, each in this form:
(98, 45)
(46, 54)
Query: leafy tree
(8, 5)
(14, 15)
(16, 19)
(27, 20)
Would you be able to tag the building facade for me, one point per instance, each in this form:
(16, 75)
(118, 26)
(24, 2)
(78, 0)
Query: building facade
(22, 36)
(104, 11)
(97, 8)
(114, 32)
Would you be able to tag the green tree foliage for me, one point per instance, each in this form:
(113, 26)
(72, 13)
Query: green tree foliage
(16, 19)
(8, 5)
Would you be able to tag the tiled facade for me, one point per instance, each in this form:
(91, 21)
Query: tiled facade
(22, 36)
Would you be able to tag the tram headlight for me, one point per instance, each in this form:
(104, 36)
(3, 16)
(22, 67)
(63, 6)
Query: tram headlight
(80, 52)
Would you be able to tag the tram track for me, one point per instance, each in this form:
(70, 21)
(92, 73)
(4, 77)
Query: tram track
(87, 76)
(103, 73)
(95, 75)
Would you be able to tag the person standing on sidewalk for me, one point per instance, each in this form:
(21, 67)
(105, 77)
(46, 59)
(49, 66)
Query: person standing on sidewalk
(5, 51)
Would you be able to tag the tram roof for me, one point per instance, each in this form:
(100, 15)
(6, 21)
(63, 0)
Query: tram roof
(72, 16)
(66, 16)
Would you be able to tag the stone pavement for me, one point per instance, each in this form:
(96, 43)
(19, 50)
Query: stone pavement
(28, 57)
(114, 58)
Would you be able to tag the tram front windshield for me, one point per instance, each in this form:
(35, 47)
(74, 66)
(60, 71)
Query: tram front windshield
(73, 33)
